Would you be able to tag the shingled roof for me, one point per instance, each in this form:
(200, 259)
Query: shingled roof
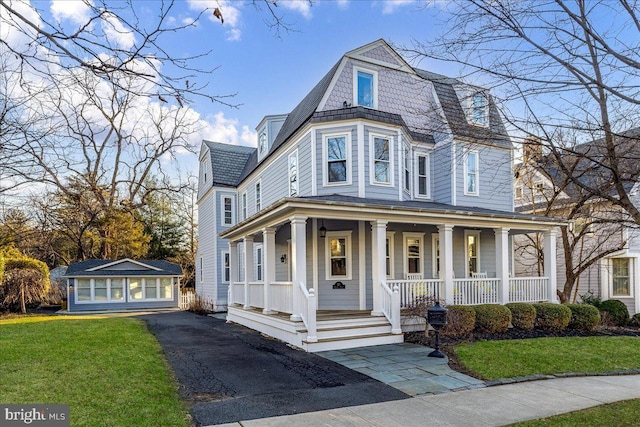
(228, 163)
(85, 269)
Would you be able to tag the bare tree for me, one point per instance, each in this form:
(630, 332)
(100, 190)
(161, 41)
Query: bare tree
(559, 66)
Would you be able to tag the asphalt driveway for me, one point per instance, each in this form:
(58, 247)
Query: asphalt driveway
(229, 373)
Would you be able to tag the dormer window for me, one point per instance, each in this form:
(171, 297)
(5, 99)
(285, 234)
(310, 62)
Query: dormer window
(480, 109)
(262, 143)
(365, 88)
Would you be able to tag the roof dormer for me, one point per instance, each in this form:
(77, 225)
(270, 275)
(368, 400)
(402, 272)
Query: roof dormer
(267, 130)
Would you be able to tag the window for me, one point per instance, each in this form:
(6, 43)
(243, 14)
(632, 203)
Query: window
(422, 176)
(479, 114)
(472, 253)
(471, 173)
(259, 264)
(381, 153)
(226, 267)
(165, 287)
(100, 290)
(435, 250)
(262, 143)
(413, 253)
(365, 88)
(518, 192)
(293, 174)
(338, 250)
(337, 169)
(407, 168)
(621, 277)
(203, 168)
(244, 205)
(135, 289)
(201, 271)
(258, 196)
(150, 289)
(227, 203)
(539, 186)
(389, 255)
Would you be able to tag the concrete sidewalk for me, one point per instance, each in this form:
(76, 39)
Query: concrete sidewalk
(490, 406)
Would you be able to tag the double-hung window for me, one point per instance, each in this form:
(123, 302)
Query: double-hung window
(407, 168)
(244, 205)
(338, 255)
(100, 289)
(381, 150)
(227, 203)
(390, 255)
(365, 88)
(422, 176)
(472, 253)
(258, 196)
(621, 277)
(262, 144)
(413, 253)
(259, 263)
(337, 168)
(226, 267)
(293, 174)
(479, 115)
(471, 173)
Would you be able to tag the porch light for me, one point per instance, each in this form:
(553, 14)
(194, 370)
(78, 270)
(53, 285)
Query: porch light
(437, 318)
(283, 258)
(322, 232)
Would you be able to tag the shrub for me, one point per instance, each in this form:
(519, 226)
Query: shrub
(617, 310)
(200, 305)
(523, 315)
(552, 317)
(584, 317)
(635, 320)
(461, 319)
(492, 318)
(591, 299)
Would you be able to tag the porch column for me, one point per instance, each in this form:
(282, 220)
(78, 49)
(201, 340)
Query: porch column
(379, 262)
(298, 261)
(268, 265)
(445, 232)
(233, 270)
(248, 268)
(550, 263)
(502, 263)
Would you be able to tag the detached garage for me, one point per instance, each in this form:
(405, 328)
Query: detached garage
(124, 284)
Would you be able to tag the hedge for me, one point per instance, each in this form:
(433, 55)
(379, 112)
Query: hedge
(552, 317)
(618, 311)
(584, 317)
(492, 318)
(461, 319)
(523, 315)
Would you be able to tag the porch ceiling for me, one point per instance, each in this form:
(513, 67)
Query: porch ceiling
(360, 209)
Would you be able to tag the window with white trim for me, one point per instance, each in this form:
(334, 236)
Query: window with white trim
(407, 168)
(337, 162)
(259, 263)
(258, 196)
(99, 290)
(621, 277)
(390, 255)
(293, 174)
(435, 253)
(472, 253)
(244, 205)
(338, 255)
(539, 186)
(518, 194)
(226, 267)
(381, 160)
(365, 87)
(480, 110)
(227, 206)
(471, 173)
(262, 143)
(135, 289)
(413, 253)
(422, 185)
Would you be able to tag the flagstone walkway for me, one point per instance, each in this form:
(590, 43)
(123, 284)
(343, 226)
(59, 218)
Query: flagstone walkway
(405, 367)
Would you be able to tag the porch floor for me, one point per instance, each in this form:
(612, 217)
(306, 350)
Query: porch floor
(321, 315)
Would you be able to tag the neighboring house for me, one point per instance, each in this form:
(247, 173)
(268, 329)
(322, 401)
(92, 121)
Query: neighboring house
(124, 284)
(600, 232)
(384, 177)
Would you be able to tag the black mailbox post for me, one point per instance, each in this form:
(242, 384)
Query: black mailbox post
(437, 318)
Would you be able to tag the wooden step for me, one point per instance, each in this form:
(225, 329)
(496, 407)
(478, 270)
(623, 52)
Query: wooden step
(341, 343)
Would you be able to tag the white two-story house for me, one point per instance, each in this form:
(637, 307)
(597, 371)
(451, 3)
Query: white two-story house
(384, 184)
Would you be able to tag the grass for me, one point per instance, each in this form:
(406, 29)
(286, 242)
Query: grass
(110, 371)
(492, 360)
(619, 414)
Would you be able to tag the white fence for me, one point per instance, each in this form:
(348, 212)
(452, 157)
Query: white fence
(187, 298)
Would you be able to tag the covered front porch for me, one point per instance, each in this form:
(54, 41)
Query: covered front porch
(325, 276)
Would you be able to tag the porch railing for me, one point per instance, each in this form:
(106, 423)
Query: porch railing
(238, 293)
(256, 295)
(281, 297)
(476, 291)
(528, 289)
(416, 290)
(390, 302)
(308, 311)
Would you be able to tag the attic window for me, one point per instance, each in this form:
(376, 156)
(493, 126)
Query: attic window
(365, 88)
(539, 187)
(480, 110)
(262, 143)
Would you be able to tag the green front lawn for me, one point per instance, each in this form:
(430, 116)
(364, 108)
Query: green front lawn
(517, 358)
(619, 414)
(110, 371)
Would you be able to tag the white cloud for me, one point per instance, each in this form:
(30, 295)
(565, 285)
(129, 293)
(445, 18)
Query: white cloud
(234, 34)
(343, 4)
(117, 33)
(76, 11)
(390, 6)
(218, 128)
(230, 13)
(302, 6)
(189, 21)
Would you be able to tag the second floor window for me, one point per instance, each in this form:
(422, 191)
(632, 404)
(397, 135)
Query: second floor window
(258, 196)
(422, 176)
(244, 205)
(381, 161)
(293, 174)
(336, 158)
(407, 168)
(471, 173)
(227, 203)
(479, 109)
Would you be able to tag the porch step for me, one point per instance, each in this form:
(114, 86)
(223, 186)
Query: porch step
(352, 341)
